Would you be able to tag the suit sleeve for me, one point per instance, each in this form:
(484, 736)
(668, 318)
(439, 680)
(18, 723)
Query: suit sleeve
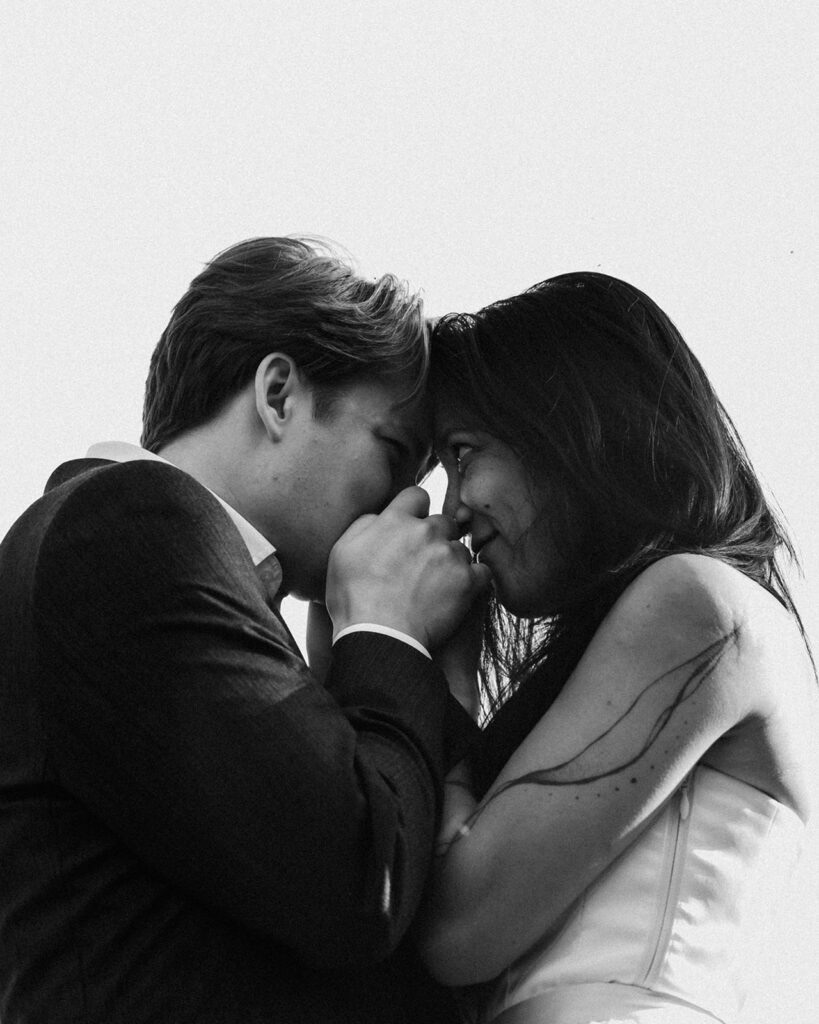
(177, 711)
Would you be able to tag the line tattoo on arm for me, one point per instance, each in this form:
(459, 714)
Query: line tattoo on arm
(672, 690)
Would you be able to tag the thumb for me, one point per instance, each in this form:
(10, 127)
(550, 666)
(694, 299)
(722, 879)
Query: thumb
(412, 501)
(481, 578)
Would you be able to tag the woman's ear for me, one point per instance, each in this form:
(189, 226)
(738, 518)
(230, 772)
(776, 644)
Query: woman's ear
(277, 388)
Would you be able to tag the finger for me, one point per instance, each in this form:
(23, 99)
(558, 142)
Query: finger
(461, 551)
(480, 602)
(443, 526)
(462, 525)
(412, 501)
(481, 577)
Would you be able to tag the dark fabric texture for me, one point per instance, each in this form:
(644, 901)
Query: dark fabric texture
(191, 828)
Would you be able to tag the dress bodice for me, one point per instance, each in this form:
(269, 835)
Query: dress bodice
(661, 935)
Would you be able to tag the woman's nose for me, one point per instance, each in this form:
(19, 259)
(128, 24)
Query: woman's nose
(453, 506)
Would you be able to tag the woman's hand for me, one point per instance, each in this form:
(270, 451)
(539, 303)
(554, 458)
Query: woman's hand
(459, 656)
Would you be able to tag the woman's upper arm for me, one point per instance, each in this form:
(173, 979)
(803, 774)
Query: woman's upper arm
(655, 689)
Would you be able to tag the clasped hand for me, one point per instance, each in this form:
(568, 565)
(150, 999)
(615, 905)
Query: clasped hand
(404, 569)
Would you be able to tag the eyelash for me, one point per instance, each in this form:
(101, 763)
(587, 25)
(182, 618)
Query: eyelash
(398, 452)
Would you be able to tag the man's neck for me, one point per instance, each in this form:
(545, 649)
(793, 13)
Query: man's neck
(205, 455)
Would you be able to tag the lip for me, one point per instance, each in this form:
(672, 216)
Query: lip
(476, 545)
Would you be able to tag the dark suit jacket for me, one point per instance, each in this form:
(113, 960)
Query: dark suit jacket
(191, 828)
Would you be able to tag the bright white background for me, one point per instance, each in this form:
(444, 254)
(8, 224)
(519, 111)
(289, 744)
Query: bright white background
(471, 147)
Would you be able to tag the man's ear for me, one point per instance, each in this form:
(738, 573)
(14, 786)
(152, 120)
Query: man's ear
(277, 387)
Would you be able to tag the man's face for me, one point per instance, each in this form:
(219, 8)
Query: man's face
(351, 463)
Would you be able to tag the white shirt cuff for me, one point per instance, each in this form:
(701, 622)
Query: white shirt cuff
(374, 627)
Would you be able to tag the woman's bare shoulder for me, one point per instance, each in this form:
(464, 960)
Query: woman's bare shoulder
(766, 681)
(688, 606)
(690, 596)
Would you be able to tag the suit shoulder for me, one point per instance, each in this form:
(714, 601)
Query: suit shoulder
(139, 484)
(139, 504)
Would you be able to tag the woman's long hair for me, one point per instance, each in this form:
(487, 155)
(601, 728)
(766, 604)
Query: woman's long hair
(593, 386)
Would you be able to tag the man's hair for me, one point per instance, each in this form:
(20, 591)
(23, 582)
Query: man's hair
(286, 295)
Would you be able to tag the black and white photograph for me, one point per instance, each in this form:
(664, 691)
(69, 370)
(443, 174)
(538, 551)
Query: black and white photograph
(409, 592)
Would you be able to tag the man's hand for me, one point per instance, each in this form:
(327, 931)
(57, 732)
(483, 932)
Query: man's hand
(404, 569)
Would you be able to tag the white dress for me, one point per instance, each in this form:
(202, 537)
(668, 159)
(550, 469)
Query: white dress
(660, 938)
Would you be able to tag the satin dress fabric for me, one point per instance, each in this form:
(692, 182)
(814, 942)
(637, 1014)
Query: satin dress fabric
(663, 935)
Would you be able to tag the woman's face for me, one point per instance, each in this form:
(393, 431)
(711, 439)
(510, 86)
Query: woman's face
(492, 497)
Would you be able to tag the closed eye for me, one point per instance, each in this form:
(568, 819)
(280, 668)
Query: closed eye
(399, 456)
(395, 445)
